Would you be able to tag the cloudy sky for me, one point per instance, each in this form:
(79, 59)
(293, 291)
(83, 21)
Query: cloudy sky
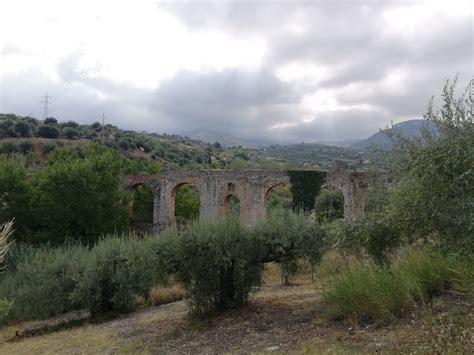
(290, 71)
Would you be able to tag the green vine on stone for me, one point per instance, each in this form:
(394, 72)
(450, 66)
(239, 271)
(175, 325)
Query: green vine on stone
(305, 185)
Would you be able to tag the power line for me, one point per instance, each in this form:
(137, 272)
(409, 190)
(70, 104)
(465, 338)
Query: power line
(46, 103)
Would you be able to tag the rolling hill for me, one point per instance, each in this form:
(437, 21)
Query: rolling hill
(411, 128)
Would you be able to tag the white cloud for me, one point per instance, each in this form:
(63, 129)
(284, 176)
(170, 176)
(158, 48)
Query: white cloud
(127, 41)
(301, 71)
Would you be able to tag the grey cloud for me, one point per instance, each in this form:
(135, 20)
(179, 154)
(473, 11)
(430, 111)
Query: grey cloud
(240, 100)
(70, 101)
(348, 38)
(335, 125)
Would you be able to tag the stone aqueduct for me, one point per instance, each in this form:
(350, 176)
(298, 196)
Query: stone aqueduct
(250, 187)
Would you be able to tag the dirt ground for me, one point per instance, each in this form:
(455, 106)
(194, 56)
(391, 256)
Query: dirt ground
(280, 319)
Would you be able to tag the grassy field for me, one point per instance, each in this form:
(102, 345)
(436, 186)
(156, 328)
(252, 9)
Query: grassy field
(281, 319)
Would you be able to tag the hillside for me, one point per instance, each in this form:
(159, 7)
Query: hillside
(23, 135)
(150, 152)
(310, 154)
(411, 128)
(225, 139)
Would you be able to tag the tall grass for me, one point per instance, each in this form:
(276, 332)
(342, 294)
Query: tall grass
(369, 292)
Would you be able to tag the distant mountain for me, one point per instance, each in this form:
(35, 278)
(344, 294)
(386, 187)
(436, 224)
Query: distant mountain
(411, 128)
(226, 139)
(344, 143)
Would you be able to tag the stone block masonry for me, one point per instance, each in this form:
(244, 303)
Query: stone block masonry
(250, 187)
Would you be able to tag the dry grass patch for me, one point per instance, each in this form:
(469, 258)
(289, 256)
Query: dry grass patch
(332, 264)
(272, 274)
(162, 295)
(84, 340)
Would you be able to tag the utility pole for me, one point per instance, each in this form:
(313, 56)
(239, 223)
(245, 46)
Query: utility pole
(46, 103)
(103, 122)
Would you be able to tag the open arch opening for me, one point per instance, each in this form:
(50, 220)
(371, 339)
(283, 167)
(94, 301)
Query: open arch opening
(141, 209)
(278, 197)
(232, 206)
(187, 203)
(329, 205)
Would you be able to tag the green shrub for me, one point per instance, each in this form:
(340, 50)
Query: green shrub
(123, 144)
(434, 195)
(107, 278)
(47, 131)
(219, 264)
(287, 236)
(18, 253)
(26, 147)
(50, 121)
(5, 307)
(15, 193)
(369, 292)
(48, 147)
(8, 148)
(23, 129)
(41, 285)
(119, 270)
(372, 236)
(71, 133)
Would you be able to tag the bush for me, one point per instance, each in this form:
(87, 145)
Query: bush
(119, 271)
(440, 208)
(41, 287)
(8, 148)
(110, 277)
(372, 236)
(5, 307)
(47, 131)
(26, 147)
(123, 144)
(219, 264)
(50, 121)
(18, 253)
(48, 147)
(71, 133)
(71, 124)
(369, 292)
(15, 195)
(23, 129)
(288, 236)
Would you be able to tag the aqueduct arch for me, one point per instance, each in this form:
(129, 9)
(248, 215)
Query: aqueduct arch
(250, 187)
